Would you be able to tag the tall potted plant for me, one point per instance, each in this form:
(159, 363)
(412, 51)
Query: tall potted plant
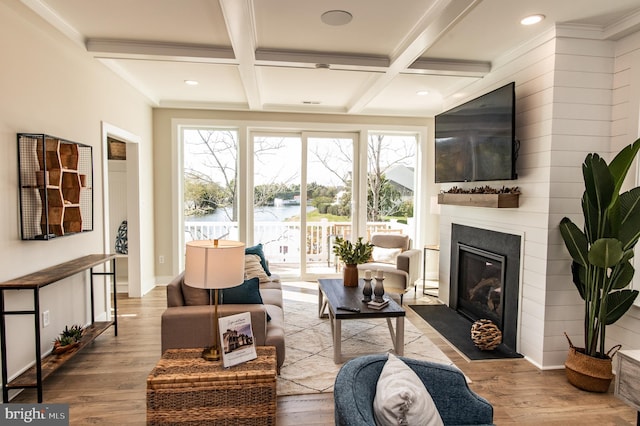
(601, 267)
(352, 254)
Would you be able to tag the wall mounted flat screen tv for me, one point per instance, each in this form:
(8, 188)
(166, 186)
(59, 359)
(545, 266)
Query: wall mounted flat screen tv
(476, 140)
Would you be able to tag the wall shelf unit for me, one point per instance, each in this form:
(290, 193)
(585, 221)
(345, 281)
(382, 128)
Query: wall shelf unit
(56, 193)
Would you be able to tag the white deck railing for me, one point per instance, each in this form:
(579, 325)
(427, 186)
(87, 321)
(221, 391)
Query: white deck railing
(281, 240)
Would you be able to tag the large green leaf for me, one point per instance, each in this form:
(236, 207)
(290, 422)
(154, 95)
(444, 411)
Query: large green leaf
(598, 181)
(629, 218)
(579, 273)
(605, 252)
(622, 162)
(618, 303)
(622, 276)
(575, 240)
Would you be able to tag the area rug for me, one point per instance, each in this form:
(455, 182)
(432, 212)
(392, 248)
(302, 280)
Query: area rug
(309, 366)
(456, 329)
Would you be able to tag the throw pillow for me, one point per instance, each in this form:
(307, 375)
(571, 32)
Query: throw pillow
(257, 249)
(253, 268)
(195, 296)
(246, 293)
(401, 397)
(385, 255)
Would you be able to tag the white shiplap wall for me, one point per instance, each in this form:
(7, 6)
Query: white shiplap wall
(564, 106)
(625, 129)
(581, 124)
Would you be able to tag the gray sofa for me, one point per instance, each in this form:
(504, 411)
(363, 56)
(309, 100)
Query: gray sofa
(187, 321)
(355, 388)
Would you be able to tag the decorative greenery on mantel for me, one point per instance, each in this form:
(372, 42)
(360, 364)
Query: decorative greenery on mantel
(484, 196)
(484, 190)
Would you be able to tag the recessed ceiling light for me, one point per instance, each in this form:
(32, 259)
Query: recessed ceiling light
(532, 19)
(336, 17)
(191, 82)
(422, 92)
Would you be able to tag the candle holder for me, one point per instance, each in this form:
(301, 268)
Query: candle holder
(367, 291)
(379, 290)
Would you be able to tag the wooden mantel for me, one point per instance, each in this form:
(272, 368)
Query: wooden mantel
(480, 200)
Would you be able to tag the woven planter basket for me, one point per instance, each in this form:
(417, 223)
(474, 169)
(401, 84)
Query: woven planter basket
(485, 335)
(589, 373)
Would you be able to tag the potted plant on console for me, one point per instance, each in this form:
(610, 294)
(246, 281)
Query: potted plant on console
(352, 254)
(601, 267)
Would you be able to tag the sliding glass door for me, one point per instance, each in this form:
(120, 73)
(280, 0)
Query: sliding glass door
(300, 190)
(302, 186)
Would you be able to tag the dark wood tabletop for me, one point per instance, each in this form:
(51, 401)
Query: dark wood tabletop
(55, 273)
(339, 295)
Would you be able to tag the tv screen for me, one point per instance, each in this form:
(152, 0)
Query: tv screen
(476, 140)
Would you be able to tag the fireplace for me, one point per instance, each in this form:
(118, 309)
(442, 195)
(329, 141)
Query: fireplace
(485, 277)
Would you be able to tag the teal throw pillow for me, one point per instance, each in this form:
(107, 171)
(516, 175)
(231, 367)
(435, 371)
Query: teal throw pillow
(244, 294)
(257, 249)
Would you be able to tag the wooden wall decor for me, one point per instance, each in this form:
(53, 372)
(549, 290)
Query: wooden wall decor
(56, 186)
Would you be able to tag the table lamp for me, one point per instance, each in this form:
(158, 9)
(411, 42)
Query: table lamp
(213, 265)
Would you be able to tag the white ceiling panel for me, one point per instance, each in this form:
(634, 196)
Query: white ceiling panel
(183, 21)
(402, 95)
(217, 83)
(377, 27)
(297, 86)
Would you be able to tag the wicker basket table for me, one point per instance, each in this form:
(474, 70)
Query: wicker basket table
(184, 389)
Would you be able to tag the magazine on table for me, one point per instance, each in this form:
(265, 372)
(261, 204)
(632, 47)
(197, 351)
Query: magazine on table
(236, 339)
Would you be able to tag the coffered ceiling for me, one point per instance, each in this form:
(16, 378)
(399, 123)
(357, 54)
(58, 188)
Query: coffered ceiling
(279, 55)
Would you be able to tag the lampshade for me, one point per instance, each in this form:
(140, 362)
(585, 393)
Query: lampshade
(214, 264)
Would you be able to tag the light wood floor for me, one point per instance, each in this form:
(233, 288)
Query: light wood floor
(106, 383)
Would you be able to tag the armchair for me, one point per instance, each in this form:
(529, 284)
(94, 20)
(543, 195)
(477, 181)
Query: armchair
(355, 388)
(393, 255)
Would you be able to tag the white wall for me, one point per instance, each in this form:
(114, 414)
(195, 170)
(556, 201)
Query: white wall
(50, 85)
(564, 106)
(625, 129)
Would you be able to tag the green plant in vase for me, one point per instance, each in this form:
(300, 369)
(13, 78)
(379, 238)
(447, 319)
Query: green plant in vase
(352, 254)
(601, 267)
(68, 339)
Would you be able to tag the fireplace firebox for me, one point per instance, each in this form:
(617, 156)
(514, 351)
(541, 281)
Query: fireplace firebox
(480, 278)
(485, 278)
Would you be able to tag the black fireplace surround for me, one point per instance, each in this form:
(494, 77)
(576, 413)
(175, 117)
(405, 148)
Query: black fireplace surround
(494, 245)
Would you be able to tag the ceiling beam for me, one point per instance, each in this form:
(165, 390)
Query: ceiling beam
(297, 58)
(436, 21)
(239, 18)
(134, 49)
(449, 67)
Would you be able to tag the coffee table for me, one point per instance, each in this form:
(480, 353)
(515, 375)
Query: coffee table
(333, 294)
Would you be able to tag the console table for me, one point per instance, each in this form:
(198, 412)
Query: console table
(34, 376)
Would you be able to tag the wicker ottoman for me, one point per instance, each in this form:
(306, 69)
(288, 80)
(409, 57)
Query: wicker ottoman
(184, 389)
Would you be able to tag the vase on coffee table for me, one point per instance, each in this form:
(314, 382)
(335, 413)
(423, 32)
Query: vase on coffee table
(350, 275)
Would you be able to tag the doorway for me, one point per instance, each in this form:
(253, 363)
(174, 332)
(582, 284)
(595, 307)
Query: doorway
(121, 177)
